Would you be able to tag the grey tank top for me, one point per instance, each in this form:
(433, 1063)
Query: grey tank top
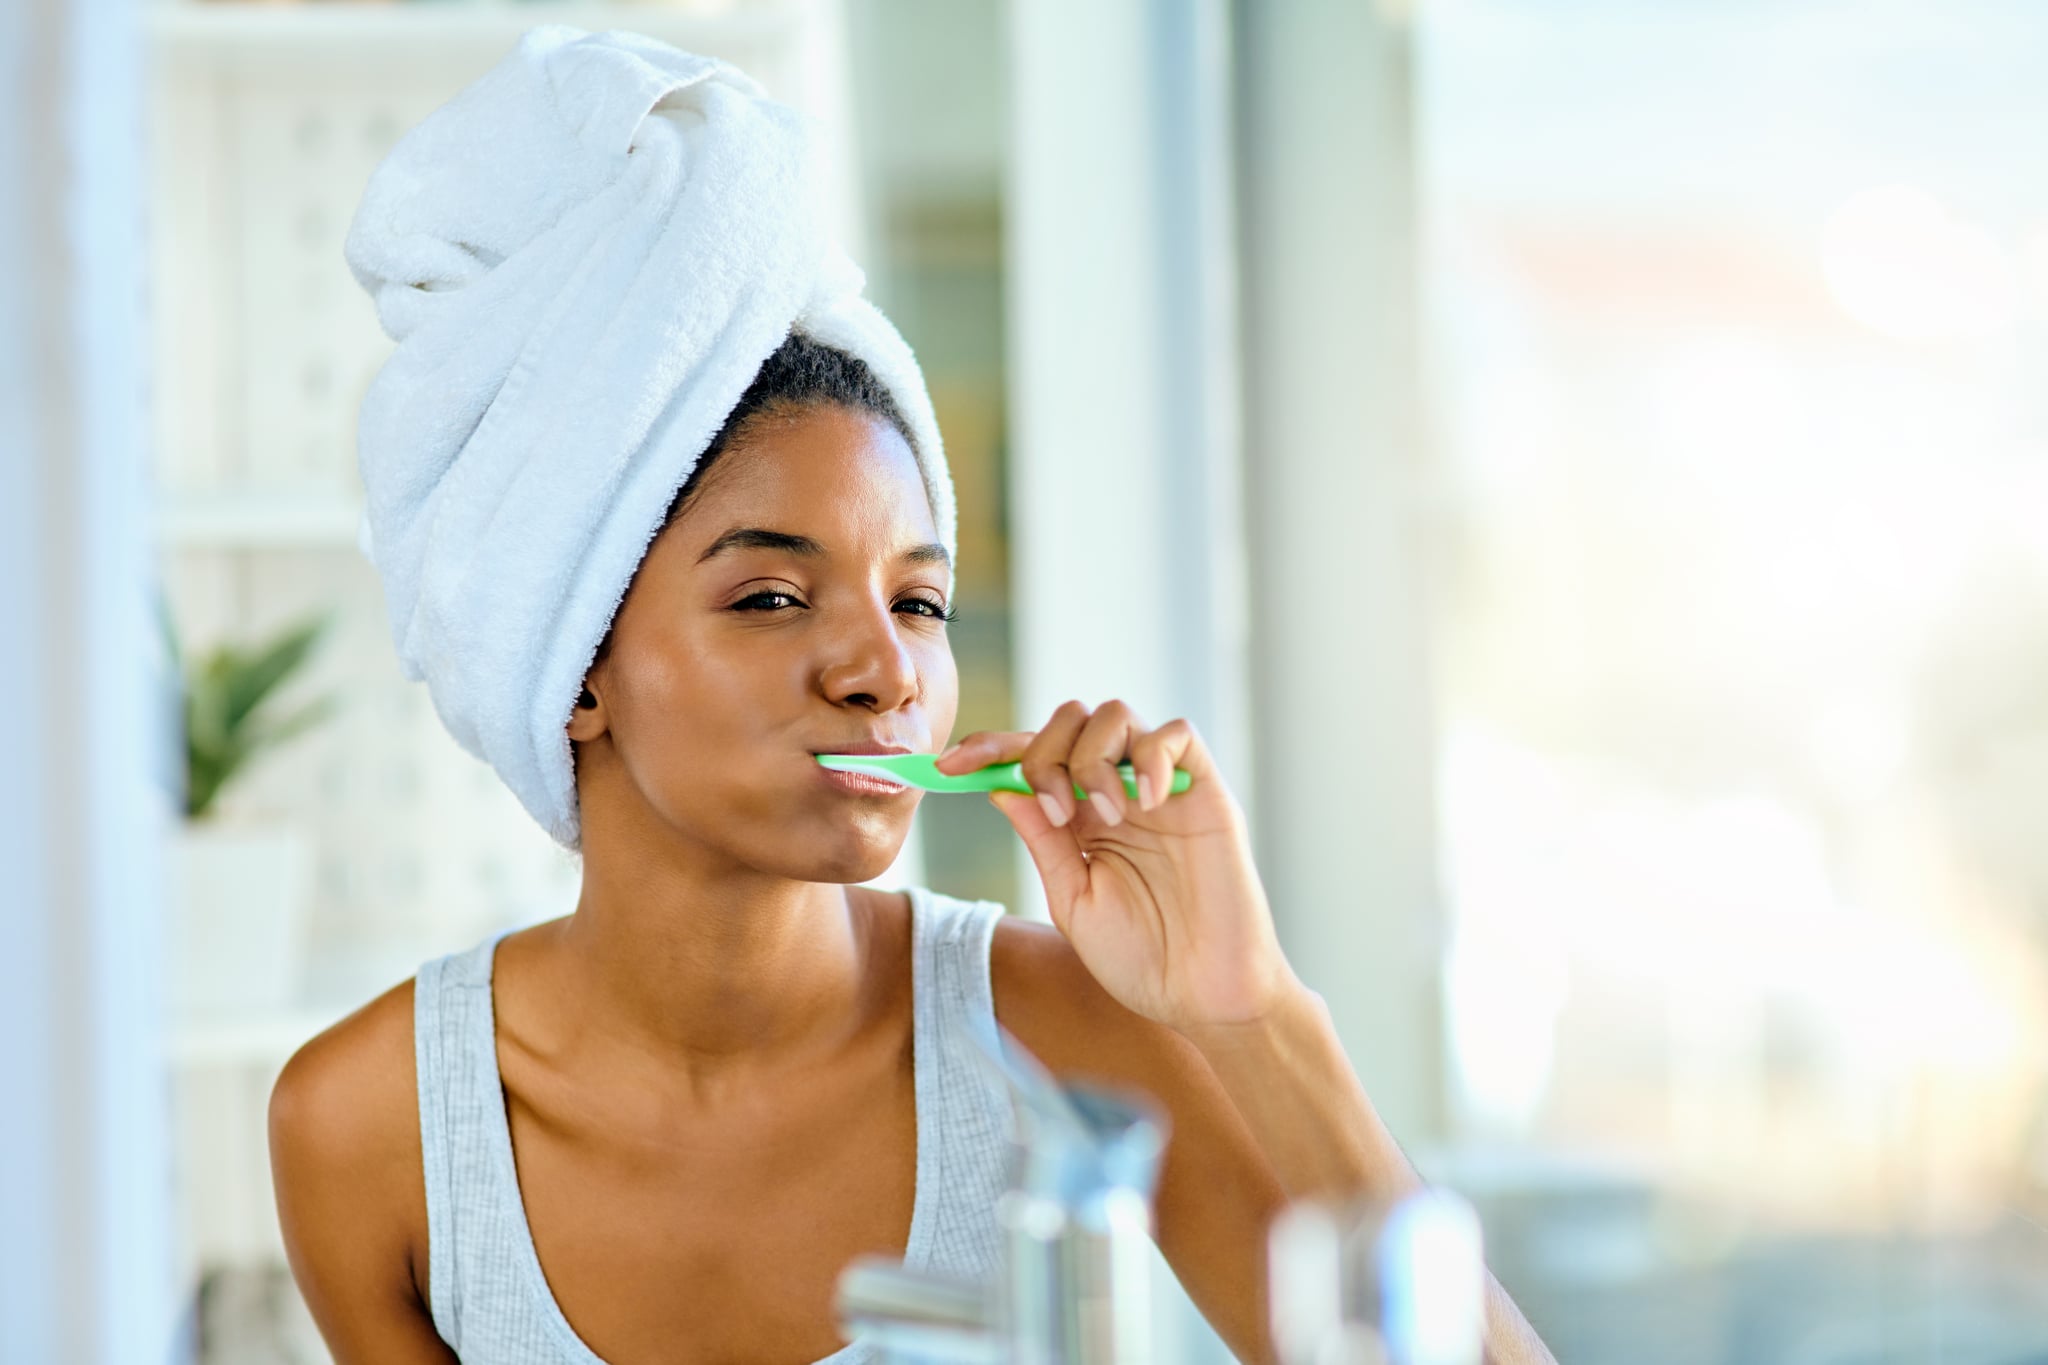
(490, 1299)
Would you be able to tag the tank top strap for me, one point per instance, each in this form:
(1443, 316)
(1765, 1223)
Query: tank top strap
(455, 1051)
(971, 1121)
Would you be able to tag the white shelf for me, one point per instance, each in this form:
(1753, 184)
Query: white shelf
(258, 520)
(390, 31)
(257, 1040)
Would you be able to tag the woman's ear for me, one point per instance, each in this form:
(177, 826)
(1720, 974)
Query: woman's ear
(587, 721)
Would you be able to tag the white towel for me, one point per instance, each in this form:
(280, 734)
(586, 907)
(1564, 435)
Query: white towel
(584, 257)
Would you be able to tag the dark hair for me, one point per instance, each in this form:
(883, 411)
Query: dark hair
(799, 375)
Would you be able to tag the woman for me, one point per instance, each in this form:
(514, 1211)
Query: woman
(657, 1129)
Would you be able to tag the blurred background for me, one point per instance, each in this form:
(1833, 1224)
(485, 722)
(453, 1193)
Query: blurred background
(1583, 467)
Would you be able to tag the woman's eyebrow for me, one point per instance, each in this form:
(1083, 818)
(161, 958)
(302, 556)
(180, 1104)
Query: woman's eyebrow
(761, 538)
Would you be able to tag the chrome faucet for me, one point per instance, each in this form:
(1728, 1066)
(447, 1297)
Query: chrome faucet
(1075, 1285)
(1378, 1283)
(1398, 1283)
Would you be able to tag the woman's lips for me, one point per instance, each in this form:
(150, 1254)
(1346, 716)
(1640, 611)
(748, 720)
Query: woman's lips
(864, 784)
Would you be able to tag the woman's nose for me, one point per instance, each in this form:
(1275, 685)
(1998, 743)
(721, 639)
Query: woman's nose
(871, 664)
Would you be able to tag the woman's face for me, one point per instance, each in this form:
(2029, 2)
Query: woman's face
(791, 609)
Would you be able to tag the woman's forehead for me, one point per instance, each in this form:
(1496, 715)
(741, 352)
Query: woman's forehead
(847, 475)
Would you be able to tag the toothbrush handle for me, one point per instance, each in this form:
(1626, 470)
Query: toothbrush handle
(1011, 777)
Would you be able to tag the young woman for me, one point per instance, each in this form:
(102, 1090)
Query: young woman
(713, 1093)
(657, 1129)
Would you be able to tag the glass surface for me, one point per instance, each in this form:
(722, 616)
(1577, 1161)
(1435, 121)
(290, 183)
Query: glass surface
(1736, 318)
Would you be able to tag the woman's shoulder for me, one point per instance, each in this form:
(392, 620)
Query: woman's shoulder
(351, 1086)
(1046, 996)
(345, 1137)
(351, 1197)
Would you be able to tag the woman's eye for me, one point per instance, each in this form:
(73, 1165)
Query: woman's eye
(775, 600)
(938, 610)
(742, 604)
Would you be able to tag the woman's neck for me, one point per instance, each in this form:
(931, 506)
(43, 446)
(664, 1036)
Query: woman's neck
(718, 978)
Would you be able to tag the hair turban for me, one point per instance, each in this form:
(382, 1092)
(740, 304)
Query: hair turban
(584, 258)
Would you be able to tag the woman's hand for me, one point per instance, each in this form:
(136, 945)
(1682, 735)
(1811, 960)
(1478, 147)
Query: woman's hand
(1158, 896)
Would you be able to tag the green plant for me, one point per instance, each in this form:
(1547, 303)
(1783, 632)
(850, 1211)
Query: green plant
(223, 692)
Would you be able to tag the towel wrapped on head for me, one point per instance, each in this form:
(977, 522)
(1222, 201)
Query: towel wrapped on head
(584, 258)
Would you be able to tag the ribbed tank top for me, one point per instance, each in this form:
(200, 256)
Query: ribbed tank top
(490, 1299)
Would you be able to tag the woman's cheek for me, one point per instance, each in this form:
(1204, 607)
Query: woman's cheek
(942, 691)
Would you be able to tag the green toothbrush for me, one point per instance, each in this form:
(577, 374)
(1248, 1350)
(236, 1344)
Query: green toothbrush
(921, 770)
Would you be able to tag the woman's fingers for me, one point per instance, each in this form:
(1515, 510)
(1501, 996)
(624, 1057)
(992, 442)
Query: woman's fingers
(1154, 756)
(1083, 747)
(1101, 745)
(1055, 851)
(982, 748)
(1045, 761)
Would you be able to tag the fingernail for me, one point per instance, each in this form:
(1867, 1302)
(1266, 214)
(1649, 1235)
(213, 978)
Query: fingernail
(1105, 808)
(949, 751)
(1053, 810)
(1144, 791)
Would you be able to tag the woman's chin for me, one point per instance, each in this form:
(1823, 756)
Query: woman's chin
(858, 855)
(824, 843)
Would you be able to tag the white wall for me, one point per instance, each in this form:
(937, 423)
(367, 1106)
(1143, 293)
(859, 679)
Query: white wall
(84, 1175)
(1217, 462)
(1128, 566)
(1128, 557)
(1336, 492)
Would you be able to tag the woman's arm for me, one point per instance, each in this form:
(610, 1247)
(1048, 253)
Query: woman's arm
(1158, 895)
(351, 1197)
(1289, 1077)
(1254, 1122)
